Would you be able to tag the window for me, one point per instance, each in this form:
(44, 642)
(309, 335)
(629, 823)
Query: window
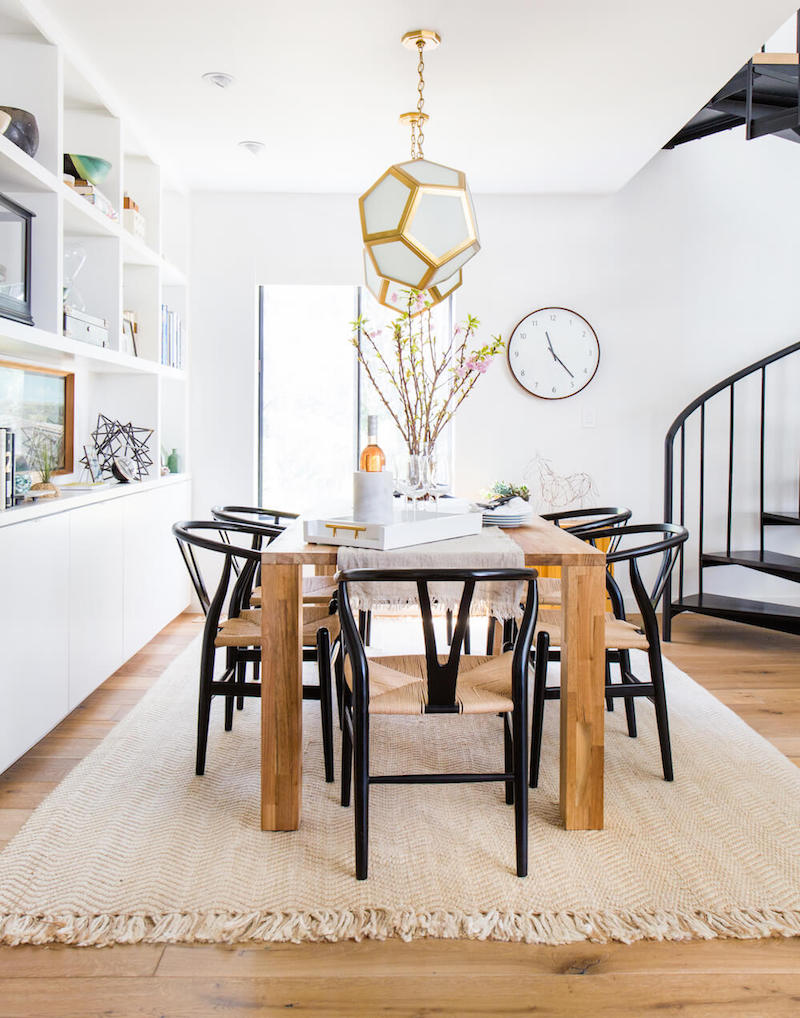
(314, 399)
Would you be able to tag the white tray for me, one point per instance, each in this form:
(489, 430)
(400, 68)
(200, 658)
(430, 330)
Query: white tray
(405, 530)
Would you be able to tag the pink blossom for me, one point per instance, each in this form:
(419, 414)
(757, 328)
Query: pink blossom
(461, 372)
(457, 330)
(394, 296)
(471, 364)
(419, 301)
(481, 366)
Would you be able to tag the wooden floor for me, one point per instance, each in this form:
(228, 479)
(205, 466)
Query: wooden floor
(756, 673)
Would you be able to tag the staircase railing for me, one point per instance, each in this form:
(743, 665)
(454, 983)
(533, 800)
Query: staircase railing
(676, 485)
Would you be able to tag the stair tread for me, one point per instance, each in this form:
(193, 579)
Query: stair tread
(781, 518)
(722, 602)
(774, 562)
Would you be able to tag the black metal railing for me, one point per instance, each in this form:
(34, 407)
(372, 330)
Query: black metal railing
(675, 482)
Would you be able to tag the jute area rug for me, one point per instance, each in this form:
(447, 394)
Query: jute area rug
(132, 847)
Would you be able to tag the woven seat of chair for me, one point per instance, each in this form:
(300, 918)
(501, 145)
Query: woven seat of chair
(316, 590)
(619, 635)
(245, 630)
(397, 684)
(549, 590)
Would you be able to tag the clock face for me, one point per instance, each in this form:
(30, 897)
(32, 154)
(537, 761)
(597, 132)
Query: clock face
(553, 353)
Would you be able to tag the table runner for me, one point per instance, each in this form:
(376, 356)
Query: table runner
(490, 549)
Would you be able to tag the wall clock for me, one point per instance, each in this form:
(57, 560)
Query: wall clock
(553, 353)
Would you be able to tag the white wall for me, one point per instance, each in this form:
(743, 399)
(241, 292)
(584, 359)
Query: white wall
(687, 274)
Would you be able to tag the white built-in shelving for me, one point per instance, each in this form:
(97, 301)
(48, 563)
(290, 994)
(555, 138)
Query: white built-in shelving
(122, 272)
(100, 566)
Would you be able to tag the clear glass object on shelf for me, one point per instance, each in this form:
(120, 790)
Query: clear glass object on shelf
(74, 260)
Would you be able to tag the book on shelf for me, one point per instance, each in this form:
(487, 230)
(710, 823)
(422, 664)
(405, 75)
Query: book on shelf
(171, 338)
(8, 472)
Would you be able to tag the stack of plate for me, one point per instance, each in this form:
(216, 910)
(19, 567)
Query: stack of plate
(515, 513)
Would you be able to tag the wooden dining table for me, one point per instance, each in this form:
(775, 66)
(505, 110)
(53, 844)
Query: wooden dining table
(582, 669)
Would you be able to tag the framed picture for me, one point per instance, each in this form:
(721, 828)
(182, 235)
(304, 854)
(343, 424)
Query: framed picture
(92, 465)
(39, 402)
(129, 332)
(15, 261)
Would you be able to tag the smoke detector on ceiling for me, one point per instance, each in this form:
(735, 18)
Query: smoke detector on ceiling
(219, 78)
(255, 148)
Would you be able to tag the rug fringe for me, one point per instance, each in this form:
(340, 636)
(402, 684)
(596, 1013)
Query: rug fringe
(382, 924)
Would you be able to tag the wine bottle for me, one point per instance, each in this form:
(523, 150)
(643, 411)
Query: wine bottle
(372, 458)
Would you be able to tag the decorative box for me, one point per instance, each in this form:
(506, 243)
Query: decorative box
(86, 328)
(404, 530)
(134, 222)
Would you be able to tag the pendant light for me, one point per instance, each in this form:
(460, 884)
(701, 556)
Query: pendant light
(417, 219)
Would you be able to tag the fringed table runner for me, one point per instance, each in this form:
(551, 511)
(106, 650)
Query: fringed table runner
(490, 549)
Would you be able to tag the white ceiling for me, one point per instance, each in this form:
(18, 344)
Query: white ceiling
(544, 96)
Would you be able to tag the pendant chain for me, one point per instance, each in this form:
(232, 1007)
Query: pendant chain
(420, 103)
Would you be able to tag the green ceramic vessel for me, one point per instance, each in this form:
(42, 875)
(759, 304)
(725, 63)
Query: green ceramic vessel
(91, 168)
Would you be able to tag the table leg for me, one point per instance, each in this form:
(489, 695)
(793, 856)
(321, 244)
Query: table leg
(582, 697)
(281, 696)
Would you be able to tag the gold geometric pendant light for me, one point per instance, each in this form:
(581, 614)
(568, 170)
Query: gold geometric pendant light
(417, 219)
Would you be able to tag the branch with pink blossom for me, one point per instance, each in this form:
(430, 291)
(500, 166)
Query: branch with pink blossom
(420, 381)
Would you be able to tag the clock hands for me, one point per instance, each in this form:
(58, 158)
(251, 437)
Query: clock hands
(557, 358)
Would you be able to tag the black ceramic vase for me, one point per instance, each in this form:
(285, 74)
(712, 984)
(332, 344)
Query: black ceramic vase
(23, 130)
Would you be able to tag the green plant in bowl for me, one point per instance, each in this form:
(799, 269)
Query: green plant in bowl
(91, 168)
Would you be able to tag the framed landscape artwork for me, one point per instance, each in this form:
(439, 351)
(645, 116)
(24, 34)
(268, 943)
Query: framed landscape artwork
(37, 401)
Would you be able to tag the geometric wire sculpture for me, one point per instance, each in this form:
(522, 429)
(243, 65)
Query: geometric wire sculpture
(115, 440)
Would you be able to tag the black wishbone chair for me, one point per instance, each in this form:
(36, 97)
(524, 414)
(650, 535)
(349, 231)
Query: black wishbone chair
(240, 632)
(430, 684)
(580, 522)
(316, 589)
(621, 636)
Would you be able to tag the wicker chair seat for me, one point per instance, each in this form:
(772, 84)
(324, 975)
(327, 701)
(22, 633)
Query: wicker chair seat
(397, 685)
(316, 590)
(619, 635)
(245, 630)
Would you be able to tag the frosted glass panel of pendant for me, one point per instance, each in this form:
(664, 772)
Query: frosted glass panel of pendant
(396, 260)
(385, 204)
(433, 235)
(393, 296)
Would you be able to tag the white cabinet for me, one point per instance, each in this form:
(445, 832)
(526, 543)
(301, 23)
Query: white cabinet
(156, 583)
(95, 596)
(34, 649)
(81, 591)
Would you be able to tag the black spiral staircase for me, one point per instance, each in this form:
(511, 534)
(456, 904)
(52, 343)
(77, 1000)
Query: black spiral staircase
(688, 439)
(764, 96)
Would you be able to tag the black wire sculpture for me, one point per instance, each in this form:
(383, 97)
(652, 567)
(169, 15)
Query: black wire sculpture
(115, 441)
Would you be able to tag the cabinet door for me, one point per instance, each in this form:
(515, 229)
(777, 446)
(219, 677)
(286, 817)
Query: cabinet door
(156, 585)
(34, 648)
(95, 601)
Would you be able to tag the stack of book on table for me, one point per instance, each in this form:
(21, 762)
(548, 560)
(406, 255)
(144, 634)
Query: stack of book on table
(7, 470)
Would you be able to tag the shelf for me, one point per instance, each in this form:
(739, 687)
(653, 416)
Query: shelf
(20, 173)
(83, 220)
(68, 501)
(26, 342)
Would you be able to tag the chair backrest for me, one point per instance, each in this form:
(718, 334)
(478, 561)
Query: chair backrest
(252, 514)
(441, 677)
(581, 522)
(665, 540)
(191, 534)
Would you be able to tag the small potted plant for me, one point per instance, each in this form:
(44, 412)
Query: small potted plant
(44, 457)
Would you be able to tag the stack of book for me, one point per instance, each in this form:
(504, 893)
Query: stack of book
(171, 338)
(132, 218)
(93, 194)
(7, 470)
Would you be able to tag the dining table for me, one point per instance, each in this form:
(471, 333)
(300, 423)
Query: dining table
(582, 668)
